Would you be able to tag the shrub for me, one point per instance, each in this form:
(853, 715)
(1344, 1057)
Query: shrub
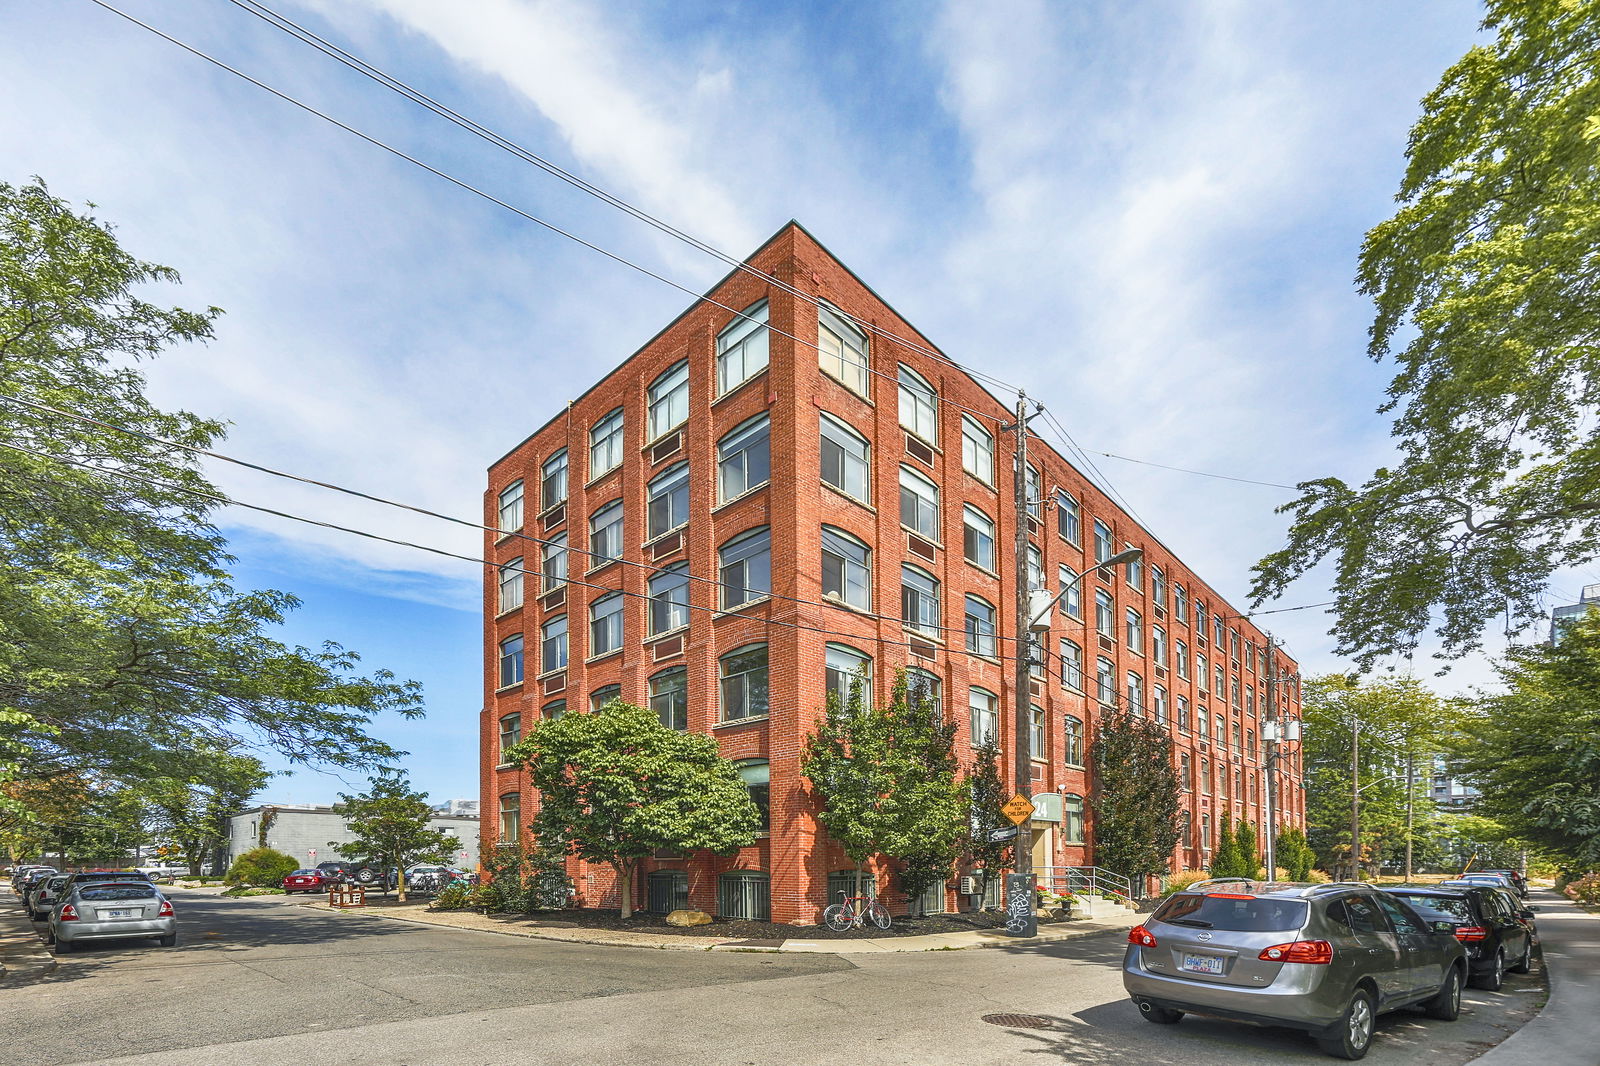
(1182, 880)
(1585, 890)
(261, 891)
(451, 897)
(261, 867)
(1317, 877)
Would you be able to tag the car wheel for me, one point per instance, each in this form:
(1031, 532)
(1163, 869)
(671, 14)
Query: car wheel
(365, 876)
(1159, 1015)
(1491, 979)
(170, 940)
(1351, 1035)
(62, 947)
(1446, 1004)
(1525, 963)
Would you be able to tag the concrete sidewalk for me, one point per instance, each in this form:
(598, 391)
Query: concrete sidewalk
(1567, 1031)
(519, 925)
(23, 955)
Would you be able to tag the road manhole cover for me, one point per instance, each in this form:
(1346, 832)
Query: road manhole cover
(1019, 1021)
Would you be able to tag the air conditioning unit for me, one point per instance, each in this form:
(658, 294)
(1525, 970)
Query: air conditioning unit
(967, 886)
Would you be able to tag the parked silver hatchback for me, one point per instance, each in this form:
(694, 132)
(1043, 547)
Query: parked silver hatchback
(110, 910)
(1325, 958)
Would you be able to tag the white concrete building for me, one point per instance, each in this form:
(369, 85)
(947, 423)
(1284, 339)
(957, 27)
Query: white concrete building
(305, 831)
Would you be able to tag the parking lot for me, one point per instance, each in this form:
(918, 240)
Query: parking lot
(258, 981)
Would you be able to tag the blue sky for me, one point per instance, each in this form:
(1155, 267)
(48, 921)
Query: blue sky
(1146, 214)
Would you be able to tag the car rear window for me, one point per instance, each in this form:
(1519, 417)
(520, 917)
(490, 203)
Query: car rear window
(1453, 906)
(115, 891)
(306, 873)
(1249, 914)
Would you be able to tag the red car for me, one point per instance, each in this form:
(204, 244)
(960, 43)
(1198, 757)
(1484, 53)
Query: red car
(307, 881)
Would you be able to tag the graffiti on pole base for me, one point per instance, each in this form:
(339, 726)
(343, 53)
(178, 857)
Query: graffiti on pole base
(1020, 920)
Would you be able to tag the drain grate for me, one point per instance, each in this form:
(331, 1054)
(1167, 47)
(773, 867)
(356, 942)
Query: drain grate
(1019, 1021)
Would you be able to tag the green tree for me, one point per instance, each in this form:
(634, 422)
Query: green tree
(1226, 860)
(123, 647)
(1533, 750)
(1137, 795)
(192, 812)
(936, 801)
(616, 785)
(1483, 284)
(1294, 854)
(885, 779)
(390, 825)
(261, 868)
(989, 855)
(1244, 835)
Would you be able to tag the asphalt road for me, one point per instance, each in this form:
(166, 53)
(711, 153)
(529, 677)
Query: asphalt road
(255, 981)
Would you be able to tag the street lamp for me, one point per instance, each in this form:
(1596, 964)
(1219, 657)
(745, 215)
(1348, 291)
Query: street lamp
(1039, 604)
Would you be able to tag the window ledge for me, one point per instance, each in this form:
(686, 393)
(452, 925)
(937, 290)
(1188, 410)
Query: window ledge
(550, 508)
(913, 631)
(602, 566)
(602, 657)
(507, 612)
(508, 688)
(918, 533)
(741, 721)
(980, 568)
(653, 441)
(551, 671)
(1075, 766)
(596, 479)
(834, 601)
(745, 495)
(506, 534)
(723, 612)
(847, 387)
(505, 766)
(918, 436)
(680, 527)
(759, 375)
(665, 633)
(837, 491)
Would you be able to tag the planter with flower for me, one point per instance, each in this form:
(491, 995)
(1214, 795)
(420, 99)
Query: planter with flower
(1055, 904)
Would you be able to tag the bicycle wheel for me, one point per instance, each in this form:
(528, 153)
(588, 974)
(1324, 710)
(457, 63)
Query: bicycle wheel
(837, 917)
(878, 914)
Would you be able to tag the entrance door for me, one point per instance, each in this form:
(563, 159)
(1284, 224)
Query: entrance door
(1044, 851)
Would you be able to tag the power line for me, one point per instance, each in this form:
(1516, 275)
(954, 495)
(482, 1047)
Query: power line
(550, 226)
(1067, 440)
(416, 96)
(1199, 473)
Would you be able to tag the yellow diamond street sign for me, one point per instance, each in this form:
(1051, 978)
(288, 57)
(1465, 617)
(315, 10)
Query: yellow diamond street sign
(1018, 808)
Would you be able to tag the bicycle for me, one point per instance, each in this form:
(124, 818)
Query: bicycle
(854, 912)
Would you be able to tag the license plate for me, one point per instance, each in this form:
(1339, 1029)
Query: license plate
(1209, 964)
(120, 912)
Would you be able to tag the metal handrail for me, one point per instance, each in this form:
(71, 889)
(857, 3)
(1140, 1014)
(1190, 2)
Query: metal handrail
(1089, 880)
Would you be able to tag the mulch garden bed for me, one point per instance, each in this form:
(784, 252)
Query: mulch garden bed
(732, 928)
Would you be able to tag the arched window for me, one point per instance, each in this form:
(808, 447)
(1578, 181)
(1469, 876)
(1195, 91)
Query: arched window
(977, 450)
(846, 568)
(925, 686)
(603, 696)
(846, 459)
(510, 732)
(1072, 818)
(744, 682)
(605, 444)
(605, 534)
(742, 348)
(919, 405)
(919, 598)
(744, 567)
(510, 818)
(845, 669)
(553, 562)
(757, 777)
(511, 660)
(983, 707)
(605, 625)
(1073, 740)
(553, 644)
(979, 626)
(919, 504)
(744, 459)
(669, 697)
(511, 507)
(553, 480)
(669, 599)
(744, 894)
(842, 349)
(667, 501)
(977, 537)
(511, 585)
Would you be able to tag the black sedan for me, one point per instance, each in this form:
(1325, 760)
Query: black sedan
(1497, 935)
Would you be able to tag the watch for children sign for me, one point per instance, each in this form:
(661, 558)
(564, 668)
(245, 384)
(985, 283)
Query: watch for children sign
(1018, 808)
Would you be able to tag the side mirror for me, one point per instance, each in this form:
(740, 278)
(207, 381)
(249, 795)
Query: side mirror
(1444, 927)
(1526, 912)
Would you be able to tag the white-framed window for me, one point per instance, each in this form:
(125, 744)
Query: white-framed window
(846, 569)
(669, 697)
(1202, 724)
(1233, 687)
(553, 480)
(1220, 633)
(919, 598)
(1133, 572)
(1035, 489)
(605, 534)
(744, 682)
(1180, 604)
(1158, 586)
(1035, 567)
(511, 585)
(977, 537)
(1072, 819)
(979, 626)
(605, 624)
(1199, 622)
(511, 660)
(1158, 703)
(510, 732)
(983, 707)
(667, 501)
(669, 599)
(1221, 686)
(510, 818)
(511, 507)
(605, 444)
(744, 459)
(1105, 614)
(1072, 740)
(1158, 645)
(1069, 517)
(919, 504)
(846, 459)
(744, 567)
(1202, 671)
(1135, 693)
(1071, 592)
(844, 669)
(742, 348)
(1182, 657)
(669, 400)
(919, 405)
(553, 644)
(1183, 713)
(1038, 743)
(977, 450)
(553, 562)
(757, 777)
(1222, 731)
(1135, 631)
(1072, 665)
(1103, 544)
(553, 710)
(842, 350)
(925, 687)
(1105, 681)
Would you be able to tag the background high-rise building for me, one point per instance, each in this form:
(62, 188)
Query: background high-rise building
(779, 490)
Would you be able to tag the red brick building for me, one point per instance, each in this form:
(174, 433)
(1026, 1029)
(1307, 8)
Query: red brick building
(762, 499)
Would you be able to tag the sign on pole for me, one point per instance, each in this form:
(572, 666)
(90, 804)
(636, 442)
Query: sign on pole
(1018, 809)
(313, 854)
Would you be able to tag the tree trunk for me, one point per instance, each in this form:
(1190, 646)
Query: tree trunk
(625, 887)
(858, 880)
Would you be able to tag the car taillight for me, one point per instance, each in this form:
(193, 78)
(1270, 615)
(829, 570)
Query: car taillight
(69, 913)
(1471, 933)
(1314, 952)
(1141, 936)
(166, 909)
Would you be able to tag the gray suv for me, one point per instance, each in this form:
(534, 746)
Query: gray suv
(1326, 958)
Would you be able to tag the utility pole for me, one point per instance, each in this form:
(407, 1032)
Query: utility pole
(1272, 763)
(1411, 788)
(1355, 796)
(1021, 882)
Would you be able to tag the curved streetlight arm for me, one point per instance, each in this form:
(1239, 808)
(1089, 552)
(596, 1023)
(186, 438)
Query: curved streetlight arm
(1128, 555)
